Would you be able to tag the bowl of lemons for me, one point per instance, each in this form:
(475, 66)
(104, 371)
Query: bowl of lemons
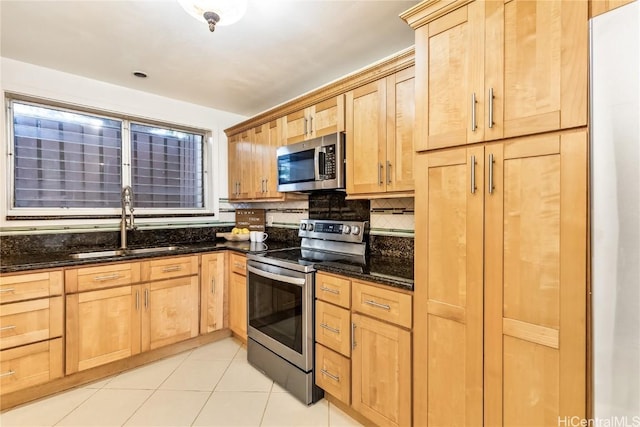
(236, 234)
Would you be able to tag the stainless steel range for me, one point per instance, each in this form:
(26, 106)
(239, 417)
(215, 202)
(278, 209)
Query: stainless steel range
(280, 303)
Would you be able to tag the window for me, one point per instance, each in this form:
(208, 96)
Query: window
(166, 168)
(72, 162)
(65, 160)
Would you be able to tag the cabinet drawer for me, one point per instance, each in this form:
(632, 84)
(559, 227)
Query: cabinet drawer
(30, 321)
(101, 277)
(333, 289)
(333, 327)
(30, 365)
(383, 304)
(238, 263)
(166, 268)
(333, 373)
(20, 287)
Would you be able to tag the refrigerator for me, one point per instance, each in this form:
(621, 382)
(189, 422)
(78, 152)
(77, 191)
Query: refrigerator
(615, 214)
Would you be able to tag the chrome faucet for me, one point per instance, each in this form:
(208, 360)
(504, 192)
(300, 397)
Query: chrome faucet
(126, 199)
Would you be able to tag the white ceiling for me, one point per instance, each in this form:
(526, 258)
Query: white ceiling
(279, 50)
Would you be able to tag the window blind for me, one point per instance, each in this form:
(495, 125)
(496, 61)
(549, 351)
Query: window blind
(166, 168)
(64, 159)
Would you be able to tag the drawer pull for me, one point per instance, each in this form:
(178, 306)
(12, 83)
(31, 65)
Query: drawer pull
(377, 304)
(6, 328)
(6, 291)
(172, 268)
(333, 377)
(353, 336)
(238, 265)
(7, 374)
(107, 277)
(329, 328)
(331, 291)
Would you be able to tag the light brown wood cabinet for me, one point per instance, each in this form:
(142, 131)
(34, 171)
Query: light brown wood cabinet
(500, 297)
(598, 7)
(114, 311)
(363, 351)
(238, 295)
(240, 147)
(31, 329)
(318, 120)
(491, 69)
(380, 123)
(252, 162)
(214, 312)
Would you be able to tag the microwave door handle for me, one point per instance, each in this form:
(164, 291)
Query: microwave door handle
(276, 277)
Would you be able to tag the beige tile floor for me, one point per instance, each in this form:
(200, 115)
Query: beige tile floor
(210, 386)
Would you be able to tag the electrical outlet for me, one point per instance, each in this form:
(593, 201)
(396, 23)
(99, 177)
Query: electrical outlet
(269, 220)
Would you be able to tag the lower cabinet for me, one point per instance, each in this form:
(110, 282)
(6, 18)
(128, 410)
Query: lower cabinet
(105, 325)
(238, 295)
(214, 313)
(102, 326)
(363, 347)
(31, 326)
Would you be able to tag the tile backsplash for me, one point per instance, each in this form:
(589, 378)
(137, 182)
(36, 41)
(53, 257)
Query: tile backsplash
(388, 217)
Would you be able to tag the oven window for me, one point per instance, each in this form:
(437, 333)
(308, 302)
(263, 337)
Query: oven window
(296, 167)
(275, 309)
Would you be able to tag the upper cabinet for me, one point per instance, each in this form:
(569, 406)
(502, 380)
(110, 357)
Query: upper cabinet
(379, 124)
(493, 69)
(318, 120)
(252, 162)
(239, 151)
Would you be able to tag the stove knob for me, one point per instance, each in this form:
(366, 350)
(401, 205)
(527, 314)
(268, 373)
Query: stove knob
(356, 230)
(346, 229)
(303, 226)
(310, 227)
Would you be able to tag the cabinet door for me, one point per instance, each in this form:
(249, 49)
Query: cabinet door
(260, 161)
(270, 165)
(381, 372)
(102, 326)
(545, 66)
(400, 125)
(535, 280)
(170, 312)
(326, 117)
(366, 141)
(297, 127)
(449, 79)
(240, 147)
(448, 323)
(213, 304)
(238, 305)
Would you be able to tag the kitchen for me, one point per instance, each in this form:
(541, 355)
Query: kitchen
(376, 104)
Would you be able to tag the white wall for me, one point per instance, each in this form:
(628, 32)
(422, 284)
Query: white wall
(27, 79)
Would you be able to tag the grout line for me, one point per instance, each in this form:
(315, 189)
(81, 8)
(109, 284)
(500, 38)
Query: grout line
(76, 407)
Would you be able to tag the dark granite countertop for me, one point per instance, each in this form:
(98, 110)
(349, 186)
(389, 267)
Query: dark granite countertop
(387, 270)
(25, 262)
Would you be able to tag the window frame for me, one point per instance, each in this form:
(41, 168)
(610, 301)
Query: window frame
(25, 213)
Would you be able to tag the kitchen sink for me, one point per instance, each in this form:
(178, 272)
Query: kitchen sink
(83, 255)
(151, 250)
(122, 252)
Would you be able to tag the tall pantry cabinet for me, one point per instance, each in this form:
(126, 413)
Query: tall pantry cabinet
(501, 212)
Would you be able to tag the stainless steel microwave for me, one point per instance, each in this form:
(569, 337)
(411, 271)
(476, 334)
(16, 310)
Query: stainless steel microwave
(316, 164)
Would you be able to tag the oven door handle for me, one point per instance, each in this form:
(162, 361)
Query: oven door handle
(277, 277)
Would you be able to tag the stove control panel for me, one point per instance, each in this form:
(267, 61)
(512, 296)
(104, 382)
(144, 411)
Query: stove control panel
(343, 231)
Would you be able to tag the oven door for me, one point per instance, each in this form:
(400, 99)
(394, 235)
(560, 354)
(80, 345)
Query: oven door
(280, 312)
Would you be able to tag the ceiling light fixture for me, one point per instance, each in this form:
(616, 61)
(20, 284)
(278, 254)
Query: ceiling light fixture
(215, 12)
